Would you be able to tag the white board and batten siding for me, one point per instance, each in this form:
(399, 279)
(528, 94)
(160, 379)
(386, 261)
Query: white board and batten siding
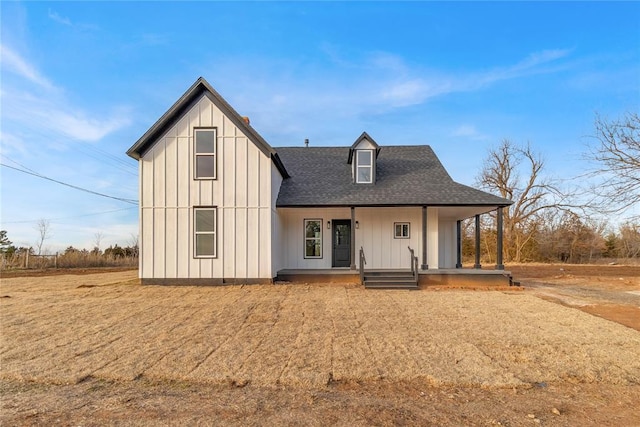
(242, 193)
(375, 234)
(447, 235)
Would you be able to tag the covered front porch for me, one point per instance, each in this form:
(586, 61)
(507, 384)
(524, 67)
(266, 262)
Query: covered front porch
(339, 241)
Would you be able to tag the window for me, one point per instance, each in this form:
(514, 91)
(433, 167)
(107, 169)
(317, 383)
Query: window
(313, 238)
(205, 150)
(401, 230)
(364, 166)
(205, 232)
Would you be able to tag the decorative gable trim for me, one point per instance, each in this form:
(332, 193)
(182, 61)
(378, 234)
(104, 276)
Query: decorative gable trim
(199, 89)
(361, 138)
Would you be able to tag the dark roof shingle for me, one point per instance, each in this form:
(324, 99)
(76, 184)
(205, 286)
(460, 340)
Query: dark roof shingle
(405, 175)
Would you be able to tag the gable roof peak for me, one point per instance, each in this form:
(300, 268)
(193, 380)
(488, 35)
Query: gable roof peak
(362, 137)
(199, 88)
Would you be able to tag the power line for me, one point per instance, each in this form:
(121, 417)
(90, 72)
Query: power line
(97, 158)
(19, 164)
(131, 201)
(69, 217)
(104, 157)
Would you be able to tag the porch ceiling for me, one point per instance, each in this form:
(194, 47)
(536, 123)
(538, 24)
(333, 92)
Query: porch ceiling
(463, 212)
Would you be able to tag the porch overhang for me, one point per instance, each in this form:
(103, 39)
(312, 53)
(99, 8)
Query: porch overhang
(445, 211)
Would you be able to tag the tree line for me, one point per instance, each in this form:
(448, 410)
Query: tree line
(114, 256)
(549, 221)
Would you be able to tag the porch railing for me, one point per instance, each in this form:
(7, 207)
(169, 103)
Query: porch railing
(414, 265)
(363, 261)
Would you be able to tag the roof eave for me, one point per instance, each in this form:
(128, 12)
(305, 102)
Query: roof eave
(391, 205)
(138, 149)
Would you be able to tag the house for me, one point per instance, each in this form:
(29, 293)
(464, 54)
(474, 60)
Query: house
(218, 204)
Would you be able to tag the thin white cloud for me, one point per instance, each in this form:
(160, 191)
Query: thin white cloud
(59, 19)
(11, 143)
(14, 63)
(55, 116)
(414, 90)
(63, 20)
(354, 87)
(532, 64)
(542, 57)
(469, 132)
(49, 112)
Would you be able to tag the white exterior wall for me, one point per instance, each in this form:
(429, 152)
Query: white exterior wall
(375, 234)
(242, 193)
(292, 247)
(447, 233)
(277, 258)
(433, 252)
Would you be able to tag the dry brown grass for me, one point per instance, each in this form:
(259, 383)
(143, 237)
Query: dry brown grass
(63, 329)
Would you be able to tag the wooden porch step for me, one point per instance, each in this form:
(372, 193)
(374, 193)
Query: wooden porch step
(389, 280)
(388, 273)
(388, 284)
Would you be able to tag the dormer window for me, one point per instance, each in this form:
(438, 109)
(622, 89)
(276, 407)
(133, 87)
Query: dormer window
(364, 166)
(362, 158)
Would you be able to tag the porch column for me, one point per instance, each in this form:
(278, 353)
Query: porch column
(458, 244)
(353, 238)
(424, 265)
(477, 264)
(499, 265)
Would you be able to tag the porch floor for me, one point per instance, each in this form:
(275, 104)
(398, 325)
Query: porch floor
(432, 278)
(431, 271)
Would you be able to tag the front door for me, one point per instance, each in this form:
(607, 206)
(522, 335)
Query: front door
(341, 243)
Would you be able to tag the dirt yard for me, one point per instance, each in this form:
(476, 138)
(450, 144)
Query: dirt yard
(611, 292)
(100, 349)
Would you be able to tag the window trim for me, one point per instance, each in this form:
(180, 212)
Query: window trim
(401, 236)
(213, 154)
(197, 209)
(369, 166)
(305, 238)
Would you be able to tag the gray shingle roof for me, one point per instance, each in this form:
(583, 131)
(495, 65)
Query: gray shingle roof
(405, 175)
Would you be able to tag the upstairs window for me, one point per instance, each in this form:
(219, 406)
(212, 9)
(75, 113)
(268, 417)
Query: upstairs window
(364, 166)
(205, 153)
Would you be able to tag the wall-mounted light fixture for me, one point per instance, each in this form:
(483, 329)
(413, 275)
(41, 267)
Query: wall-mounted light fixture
(328, 225)
(357, 224)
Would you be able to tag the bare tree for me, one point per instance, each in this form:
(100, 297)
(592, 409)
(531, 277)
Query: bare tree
(97, 239)
(134, 244)
(516, 173)
(616, 155)
(629, 241)
(44, 232)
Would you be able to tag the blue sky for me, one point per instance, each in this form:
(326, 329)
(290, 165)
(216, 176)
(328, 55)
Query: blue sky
(81, 82)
